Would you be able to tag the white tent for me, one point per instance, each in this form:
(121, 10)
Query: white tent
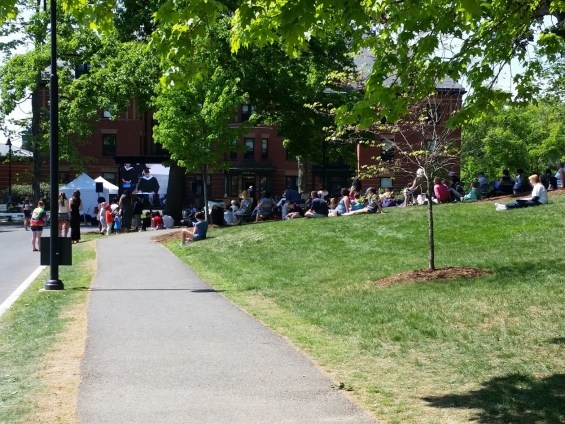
(88, 195)
(112, 189)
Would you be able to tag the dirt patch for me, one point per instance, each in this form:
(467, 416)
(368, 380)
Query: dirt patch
(61, 372)
(426, 274)
(176, 235)
(165, 238)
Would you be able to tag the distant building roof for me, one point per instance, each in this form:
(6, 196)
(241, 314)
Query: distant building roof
(16, 152)
(364, 62)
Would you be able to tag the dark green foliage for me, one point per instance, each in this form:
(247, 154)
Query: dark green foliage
(21, 191)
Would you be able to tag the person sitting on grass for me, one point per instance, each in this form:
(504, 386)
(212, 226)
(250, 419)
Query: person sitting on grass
(198, 232)
(344, 205)
(539, 196)
(265, 207)
(441, 191)
(318, 207)
(157, 222)
(373, 203)
(474, 193)
(294, 211)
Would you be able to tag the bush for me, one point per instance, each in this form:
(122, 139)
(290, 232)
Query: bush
(21, 191)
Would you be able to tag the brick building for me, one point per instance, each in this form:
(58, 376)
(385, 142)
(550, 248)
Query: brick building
(264, 164)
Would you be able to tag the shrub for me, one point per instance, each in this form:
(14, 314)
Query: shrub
(21, 191)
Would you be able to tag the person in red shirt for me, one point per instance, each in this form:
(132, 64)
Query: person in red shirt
(441, 191)
(109, 220)
(157, 221)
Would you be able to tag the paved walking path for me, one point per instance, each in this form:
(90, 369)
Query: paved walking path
(163, 347)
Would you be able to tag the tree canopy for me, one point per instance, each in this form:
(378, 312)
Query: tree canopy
(531, 138)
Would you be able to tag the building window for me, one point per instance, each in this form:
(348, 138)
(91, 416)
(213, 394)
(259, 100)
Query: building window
(64, 177)
(233, 154)
(110, 177)
(387, 150)
(108, 144)
(199, 189)
(265, 148)
(292, 182)
(264, 184)
(107, 112)
(246, 112)
(386, 182)
(233, 187)
(249, 148)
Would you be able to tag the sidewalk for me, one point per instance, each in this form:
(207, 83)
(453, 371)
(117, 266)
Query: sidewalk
(163, 347)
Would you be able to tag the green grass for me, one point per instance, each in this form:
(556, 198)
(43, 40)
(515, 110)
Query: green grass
(30, 328)
(490, 349)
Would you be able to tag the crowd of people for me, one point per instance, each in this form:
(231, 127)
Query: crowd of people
(125, 213)
(355, 200)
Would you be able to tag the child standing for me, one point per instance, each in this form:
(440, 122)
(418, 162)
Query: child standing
(109, 219)
(118, 223)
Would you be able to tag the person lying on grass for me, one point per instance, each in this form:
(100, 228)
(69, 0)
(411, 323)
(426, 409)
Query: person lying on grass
(198, 232)
(539, 196)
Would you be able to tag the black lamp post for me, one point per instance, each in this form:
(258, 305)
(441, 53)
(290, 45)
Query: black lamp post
(54, 283)
(9, 144)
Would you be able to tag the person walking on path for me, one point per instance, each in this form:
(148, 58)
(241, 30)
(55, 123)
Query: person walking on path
(38, 218)
(76, 206)
(27, 213)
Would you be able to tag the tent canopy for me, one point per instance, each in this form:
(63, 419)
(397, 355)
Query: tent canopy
(112, 189)
(88, 195)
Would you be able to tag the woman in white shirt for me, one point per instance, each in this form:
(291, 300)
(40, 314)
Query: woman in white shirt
(64, 220)
(539, 196)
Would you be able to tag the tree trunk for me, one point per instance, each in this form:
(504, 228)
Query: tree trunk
(175, 192)
(302, 175)
(431, 247)
(36, 143)
(205, 181)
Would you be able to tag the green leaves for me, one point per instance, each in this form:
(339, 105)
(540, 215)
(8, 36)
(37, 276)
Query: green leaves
(472, 7)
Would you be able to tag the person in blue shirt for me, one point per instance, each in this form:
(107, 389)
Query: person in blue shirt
(292, 194)
(198, 232)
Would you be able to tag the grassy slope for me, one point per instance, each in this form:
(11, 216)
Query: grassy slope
(31, 327)
(490, 348)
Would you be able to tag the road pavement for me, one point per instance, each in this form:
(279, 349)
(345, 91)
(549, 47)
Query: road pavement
(163, 347)
(17, 260)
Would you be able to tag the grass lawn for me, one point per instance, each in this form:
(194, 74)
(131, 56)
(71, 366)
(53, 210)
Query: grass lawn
(31, 329)
(491, 349)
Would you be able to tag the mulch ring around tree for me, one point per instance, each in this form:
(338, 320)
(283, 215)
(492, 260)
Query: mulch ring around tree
(426, 274)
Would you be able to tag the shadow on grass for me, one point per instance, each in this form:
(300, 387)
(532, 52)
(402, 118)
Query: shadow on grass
(558, 340)
(527, 268)
(515, 398)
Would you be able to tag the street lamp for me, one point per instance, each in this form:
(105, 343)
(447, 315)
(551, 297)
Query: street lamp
(9, 144)
(54, 283)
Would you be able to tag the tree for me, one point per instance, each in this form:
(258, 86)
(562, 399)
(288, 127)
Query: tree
(282, 89)
(194, 124)
(418, 43)
(423, 147)
(529, 137)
